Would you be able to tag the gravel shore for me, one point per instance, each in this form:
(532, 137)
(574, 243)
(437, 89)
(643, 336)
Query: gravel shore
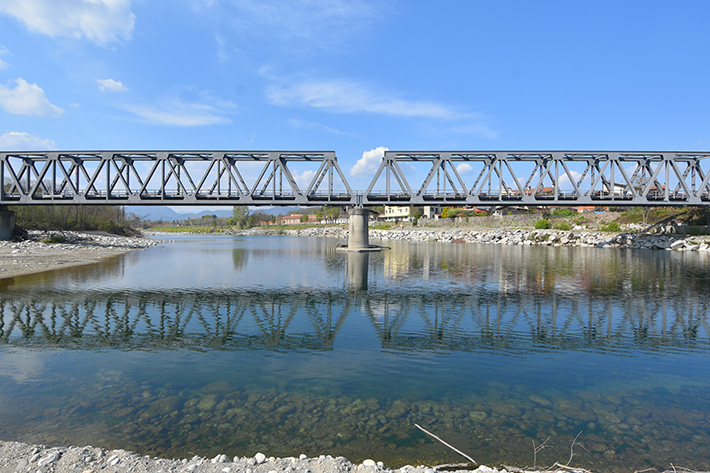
(38, 254)
(632, 238)
(21, 457)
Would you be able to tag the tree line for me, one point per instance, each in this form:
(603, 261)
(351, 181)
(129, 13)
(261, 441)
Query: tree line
(111, 219)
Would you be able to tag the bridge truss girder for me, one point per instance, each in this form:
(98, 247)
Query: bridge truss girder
(472, 178)
(540, 178)
(171, 178)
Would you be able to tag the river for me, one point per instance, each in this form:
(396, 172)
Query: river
(217, 344)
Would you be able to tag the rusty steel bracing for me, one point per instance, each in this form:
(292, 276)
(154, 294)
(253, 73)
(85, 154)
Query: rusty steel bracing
(297, 178)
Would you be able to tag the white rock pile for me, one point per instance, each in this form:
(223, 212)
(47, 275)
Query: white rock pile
(580, 238)
(69, 240)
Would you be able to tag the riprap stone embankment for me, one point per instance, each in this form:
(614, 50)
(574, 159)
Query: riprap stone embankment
(579, 238)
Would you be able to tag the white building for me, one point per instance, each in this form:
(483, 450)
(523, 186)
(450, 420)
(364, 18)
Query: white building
(397, 212)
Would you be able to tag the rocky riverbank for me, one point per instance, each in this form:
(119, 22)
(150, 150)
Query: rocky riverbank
(46, 251)
(22, 457)
(580, 238)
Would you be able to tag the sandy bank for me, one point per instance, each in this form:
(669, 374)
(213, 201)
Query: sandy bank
(35, 255)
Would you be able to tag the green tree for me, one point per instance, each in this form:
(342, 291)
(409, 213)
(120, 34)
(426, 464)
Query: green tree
(240, 216)
(332, 212)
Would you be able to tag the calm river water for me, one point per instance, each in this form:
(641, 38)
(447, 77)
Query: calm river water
(282, 345)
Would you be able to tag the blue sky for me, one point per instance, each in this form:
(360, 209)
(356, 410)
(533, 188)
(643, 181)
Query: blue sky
(354, 76)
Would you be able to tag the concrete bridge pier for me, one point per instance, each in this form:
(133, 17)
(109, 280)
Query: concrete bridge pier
(7, 223)
(358, 228)
(358, 235)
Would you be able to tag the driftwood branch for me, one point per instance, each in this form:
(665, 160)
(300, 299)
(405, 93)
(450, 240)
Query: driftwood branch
(538, 448)
(571, 448)
(571, 468)
(448, 445)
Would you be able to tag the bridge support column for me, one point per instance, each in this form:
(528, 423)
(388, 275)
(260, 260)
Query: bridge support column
(358, 236)
(7, 223)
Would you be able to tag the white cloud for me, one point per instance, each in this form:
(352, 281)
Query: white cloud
(20, 141)
(27, 99)
(177, 112)
(464, 168)
(298, 23)
(111, 85)
(3, 52)
(303, 179)
(304, 125)
(340, 96)
(349, 97)
(369, 163)
(99, 21)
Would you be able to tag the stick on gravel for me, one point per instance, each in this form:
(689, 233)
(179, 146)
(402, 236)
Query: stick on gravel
(450, 446)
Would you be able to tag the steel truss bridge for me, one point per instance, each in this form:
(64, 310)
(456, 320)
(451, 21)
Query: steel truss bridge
(298, 178)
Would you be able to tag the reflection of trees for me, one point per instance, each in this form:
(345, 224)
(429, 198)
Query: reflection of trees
(402, 320)
(240, 256)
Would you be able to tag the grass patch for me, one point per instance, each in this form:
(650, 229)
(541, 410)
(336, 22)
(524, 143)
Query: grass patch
(384, 226)
(55, 239)
(610, 227)
(301, 226)
(542, 224)
(655, 215)
(178, 229)
(563, 226)
(565, 213)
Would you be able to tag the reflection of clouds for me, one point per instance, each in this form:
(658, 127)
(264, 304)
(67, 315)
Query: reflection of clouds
(22, 367)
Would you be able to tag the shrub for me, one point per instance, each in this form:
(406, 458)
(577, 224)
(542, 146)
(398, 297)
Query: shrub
(610, 227)
(563, 213)
(542, 224)
(55, 239)
(563, 226)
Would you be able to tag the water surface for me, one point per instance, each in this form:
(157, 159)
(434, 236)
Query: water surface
(282, 345)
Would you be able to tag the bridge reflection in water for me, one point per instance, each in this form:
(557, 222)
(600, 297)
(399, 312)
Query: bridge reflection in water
(312, 320)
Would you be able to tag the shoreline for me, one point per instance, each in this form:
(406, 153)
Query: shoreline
(18, 456)
(36, 255)
(515, 236)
